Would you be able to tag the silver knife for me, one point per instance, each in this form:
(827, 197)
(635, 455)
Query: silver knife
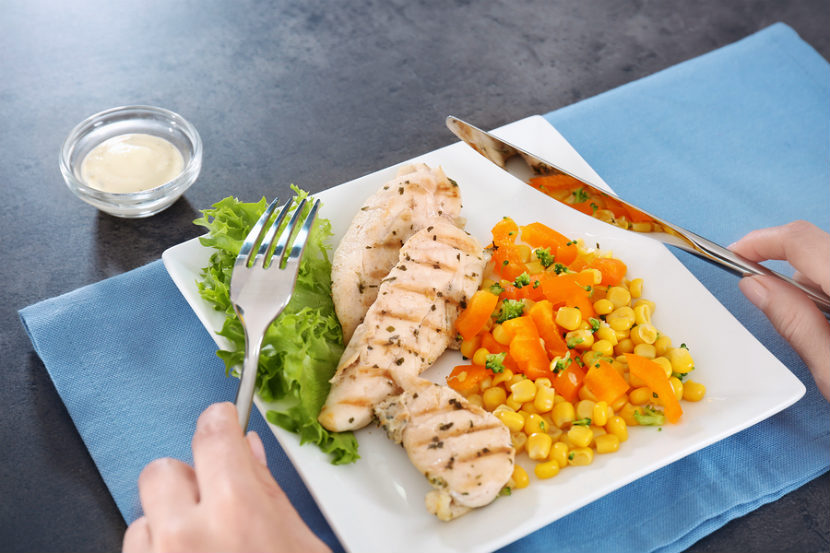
(590, 199)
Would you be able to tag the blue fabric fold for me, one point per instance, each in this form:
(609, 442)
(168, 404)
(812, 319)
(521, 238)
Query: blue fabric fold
(740, 135)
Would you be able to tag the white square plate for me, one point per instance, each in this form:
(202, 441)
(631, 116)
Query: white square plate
(377, 503)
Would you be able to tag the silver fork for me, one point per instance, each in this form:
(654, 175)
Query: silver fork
(262, 283)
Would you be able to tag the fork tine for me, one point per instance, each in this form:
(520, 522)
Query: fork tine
(265, 245)
(302, 236)
(285, 236)
(255, 233)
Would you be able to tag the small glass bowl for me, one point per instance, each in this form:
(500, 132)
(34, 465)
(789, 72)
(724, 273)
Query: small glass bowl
(163, 123)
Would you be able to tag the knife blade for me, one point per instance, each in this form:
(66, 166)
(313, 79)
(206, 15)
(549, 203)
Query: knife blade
(592, 200)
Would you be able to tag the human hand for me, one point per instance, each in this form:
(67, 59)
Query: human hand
(227, 502)
(807, 248)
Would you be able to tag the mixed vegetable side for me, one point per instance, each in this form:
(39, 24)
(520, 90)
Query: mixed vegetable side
(564, 351)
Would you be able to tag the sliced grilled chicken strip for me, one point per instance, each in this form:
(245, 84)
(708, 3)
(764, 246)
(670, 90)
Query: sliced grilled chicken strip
(370, 246)
(409, 325)
(464, 451)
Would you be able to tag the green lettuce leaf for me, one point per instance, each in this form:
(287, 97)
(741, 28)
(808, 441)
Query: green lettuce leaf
(302, 347)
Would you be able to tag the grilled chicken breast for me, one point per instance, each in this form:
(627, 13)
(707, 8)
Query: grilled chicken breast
(409, 325)
(464, 451)
(370, 246)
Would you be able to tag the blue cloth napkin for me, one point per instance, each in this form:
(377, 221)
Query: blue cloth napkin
(739, 134)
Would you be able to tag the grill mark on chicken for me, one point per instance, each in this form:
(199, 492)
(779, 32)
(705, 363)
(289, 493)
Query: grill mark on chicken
(410, 323)
(460, 431)
(417, 196)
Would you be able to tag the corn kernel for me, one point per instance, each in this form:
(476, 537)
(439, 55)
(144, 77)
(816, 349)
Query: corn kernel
(693, 391)
(580, 436)
(616, 426)
(568, 318)
(512, 420)
(607, 443)
(591, 357)
(485, 383)
(534, 267)
(543, 382)
(546, 470)
(618, 295)
(519, 478)
(512, 403)
(493, 397)
(603, 306)
(586, 394)
(644, 226)
(617, 405)
(643, 334)
(608, 334)
(652, 306)
(518, 440)
(581, 456)
(636, 287)
(544, 398)
(662, 344)
(500, 335)
(641, 396)
(627, 414)
(677, 387)
(599, 413)
(480, 356)
(603, 347)
(523, 391)
(563, 413)
(681, 360)
(624, 346)
(538, 446)
(579, 339)
(559, 453)
(529, 408)
(645, 350)
(621, 319)
(516, 378)
(665, 363)
(503, 376)
(524, 252)
(475, 399)
(585, 409)
(469, 347)
(534, 424)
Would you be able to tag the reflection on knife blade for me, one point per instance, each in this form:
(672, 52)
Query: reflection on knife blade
(592, 200)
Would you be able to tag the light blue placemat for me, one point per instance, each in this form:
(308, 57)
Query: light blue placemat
(741, 135)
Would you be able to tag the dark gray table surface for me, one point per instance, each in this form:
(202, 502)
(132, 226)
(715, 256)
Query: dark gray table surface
(310, 92)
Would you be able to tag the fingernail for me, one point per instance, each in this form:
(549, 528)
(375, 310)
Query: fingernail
(755, 291)
(257, 448)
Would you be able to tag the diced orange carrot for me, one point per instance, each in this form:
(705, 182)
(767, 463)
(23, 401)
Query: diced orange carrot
(543, 318)
(520, 326)
(568, 381)
(508, 262)
(490, 344)
(465, 379)
(613, 270)
(605, 382)
(566, 253)
(530, 357)
(505, 232)
(473, 318)
(539, 235)
(655, 378)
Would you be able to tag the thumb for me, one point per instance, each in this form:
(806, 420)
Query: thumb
(797, 319)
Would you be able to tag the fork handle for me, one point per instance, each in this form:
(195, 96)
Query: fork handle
(245, 391)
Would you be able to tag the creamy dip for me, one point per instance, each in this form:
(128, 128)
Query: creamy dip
(131, 163)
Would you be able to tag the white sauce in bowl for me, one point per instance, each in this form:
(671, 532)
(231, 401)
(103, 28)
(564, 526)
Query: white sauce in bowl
(131, 163)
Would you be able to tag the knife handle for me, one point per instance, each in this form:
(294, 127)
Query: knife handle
(742, 266)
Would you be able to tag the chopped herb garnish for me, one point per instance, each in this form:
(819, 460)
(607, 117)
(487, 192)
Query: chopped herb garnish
(580, 196)
(495, 362)
(573, 342)
(558, 268)
(505, 491)
(496, 289)
(582, 422)
(510, 309)
(545, 257)
(594, 324)
(522, 280)
(559, 364)
(649, 417)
